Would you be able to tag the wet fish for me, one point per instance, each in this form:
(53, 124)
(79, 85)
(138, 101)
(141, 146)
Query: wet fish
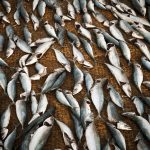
(27, 35)
(123, 126)
(34, 102)
(35, 22)
(3, 63)
(3, 80)
(76, 5)
(68, 136)
(145, 62)
(92, 137)
(1, 42)
(83, 5)
(99, 4)
(142, 123)
(6, 5)
(21, 111)
(137, 76)
(11, 46)
(35, 4)
(41, 8)
(78, 79)
(62, 59)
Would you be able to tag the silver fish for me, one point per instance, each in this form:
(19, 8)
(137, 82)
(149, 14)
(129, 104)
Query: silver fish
(62, 59)
(68, 136)
(137, 76)
(84, 32)
(142, 46)
(10, 47)
(1, 42)
(42, 105)
(86, 113)
(87, 18)
(76, 5)
(41, 70)
(78, 56)
(99, 4)
(100, 40)
(97, 94)
(5, 117)
(138, 104)
(34, 102)
(125, 51)
(4, 17)
(90, 6)
(142, 123)
(50, 30)
(112, 113)
(71, 10)
(31, 59)
(10, 140)
(60, 96)
(73, 39)
(40, 136)
(146, 83)
(35, 4)
(21, 111)
(88, 81)
(24, 13)
(17, 17)
(117, 136)
(6, 5)
(10, 31)
(3, 80)
(78, 79)
(41, 8)
(145, 62)
(27, 35)
(113, 55)
(83, 5)
(35, 22)
(123, 126)
(92, 137)
(115, 96)
(3, 63)
(49, 82)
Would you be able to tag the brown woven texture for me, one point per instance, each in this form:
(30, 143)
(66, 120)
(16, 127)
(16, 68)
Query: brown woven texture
(99, 71)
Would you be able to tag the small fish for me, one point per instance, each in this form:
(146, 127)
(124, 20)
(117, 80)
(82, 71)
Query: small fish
(35, 22)
(50, 30)
(142, 123)
(113, 55)
(51, 3)
(42, 105)
(10, 31)
(4, 132)
(60, 96)
(62, 59)
(41, 70)
(34, 103)
(97, 94)
(68, 136)
(83, 5)
(71, 10)
(145, 62)
(139, 6)
(88, 81)
(21, 111)
(1, 42)
(41, 8)
(137, 76)
(6, 5)
(123, 126)
(51, 79)
(27, 35)
(40, 136)
(87, 18)
(142, 46)
(78, 79)
(10, 140)
(73, 39)
(25, 82)
(35, 4)
(3, 80)
(84, 32)
(100, 39)
(115, 96)
(5, 117)
(76, 5)
(92, 137)
(4, 17)
(86, 113)
(3, 63)
(88, 48)
(125, 51)
(117, 136)
(146, 83)
(138, 104)
(99, 4)
(11, 46)
(112, 113)
(17, 17)
(90, 6)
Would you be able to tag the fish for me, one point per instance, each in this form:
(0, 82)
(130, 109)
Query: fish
(10, 31)
(34, 102)
(3, 80)
(83, 5)
(21, 111)
(3, 63)
(87, 18)
(78, 79)
(62, 59)
(137, 76)
(35, 22)
(97, 94)
(35, 4)
(141, 122)
(115, 96)
(113, 55)
(112, 113)
(5, 117)
(92, 137)
(99, 4)
(51, 79)
(40, 136)
(123, 126)
(10, 140)
(1, 42)
(145, 63)
(68, 136)
(27, 35)
(41, 8)
(11, 46)
(76, 5)
(117, 136)
(90, 6)
(71, 10)
(6, 4)
(138, 104)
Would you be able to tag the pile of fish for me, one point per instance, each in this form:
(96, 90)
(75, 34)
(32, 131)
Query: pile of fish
(34, 128)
